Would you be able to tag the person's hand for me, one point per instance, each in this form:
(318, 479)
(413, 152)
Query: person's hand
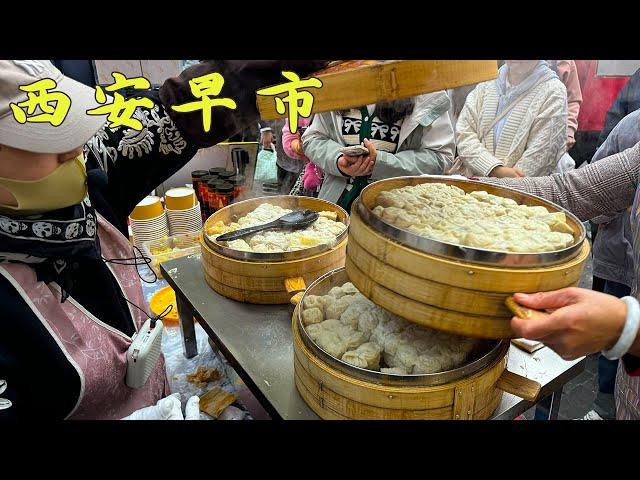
(506, 172)
(296, 146)
(583, 321)
(355, 166)
(266, 138)
(373, 153)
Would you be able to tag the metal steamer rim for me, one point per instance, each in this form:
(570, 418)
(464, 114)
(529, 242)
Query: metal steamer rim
(460, 252)
(485, 356)
(237, 210)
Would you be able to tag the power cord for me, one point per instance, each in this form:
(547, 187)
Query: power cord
(138, 261)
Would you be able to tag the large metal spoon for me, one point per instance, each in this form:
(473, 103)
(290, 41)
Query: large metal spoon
(291, 221)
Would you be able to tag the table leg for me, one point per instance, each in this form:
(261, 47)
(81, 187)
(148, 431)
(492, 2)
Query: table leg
(187, 328)
(555, 404)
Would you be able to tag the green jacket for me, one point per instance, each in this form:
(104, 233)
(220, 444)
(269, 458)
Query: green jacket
(426, 145)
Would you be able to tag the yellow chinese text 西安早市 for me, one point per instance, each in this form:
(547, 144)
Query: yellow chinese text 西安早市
(300, 103)
(121, 111)
(53, 106)
(204, 88)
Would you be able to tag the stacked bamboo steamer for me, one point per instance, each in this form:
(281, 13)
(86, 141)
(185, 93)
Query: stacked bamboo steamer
(441, 291)
(269, 278)
(454, 295)
(335, 390)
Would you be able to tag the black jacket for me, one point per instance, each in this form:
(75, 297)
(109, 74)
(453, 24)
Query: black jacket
(627, 101)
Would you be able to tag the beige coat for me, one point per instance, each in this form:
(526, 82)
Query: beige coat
(533, 138)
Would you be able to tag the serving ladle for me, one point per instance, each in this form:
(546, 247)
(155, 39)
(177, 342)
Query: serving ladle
(291, 221)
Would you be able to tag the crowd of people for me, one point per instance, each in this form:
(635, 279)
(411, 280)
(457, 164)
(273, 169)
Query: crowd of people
(548, 127)
(537, 118)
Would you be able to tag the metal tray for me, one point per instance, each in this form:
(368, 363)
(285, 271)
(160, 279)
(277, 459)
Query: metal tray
(366, 202)
(238, 210)
(485, 354)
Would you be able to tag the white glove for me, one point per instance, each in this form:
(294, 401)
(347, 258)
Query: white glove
(192, 409)
(168, 408)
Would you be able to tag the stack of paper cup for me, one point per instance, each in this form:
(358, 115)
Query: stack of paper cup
(183, 211)
(148, 221)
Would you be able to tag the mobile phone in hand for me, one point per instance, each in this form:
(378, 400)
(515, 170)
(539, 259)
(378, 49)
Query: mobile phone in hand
(354, 150)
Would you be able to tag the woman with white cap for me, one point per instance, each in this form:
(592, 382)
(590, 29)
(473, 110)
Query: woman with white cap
(71, 300)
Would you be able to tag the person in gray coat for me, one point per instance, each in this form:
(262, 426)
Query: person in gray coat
(613, 260)
(406, 137)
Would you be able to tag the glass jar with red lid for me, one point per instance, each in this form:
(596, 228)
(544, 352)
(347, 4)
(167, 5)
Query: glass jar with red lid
(212, 195)
(196, 180)
(238, 185)
(226, 175)
(225, 194)
(203, 186)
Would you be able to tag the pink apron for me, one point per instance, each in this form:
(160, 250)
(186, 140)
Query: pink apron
(96, 350)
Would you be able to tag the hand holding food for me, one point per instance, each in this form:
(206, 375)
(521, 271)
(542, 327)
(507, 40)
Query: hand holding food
(582, 322)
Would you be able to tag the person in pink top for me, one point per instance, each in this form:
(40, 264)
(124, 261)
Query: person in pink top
(568, 74)
(310, 178)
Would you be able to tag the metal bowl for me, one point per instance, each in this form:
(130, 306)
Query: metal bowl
(484, 355)
(238, 210)
(367, 201)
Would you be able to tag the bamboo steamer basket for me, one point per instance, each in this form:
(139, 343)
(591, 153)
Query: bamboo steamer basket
(269, 278)
(336, 390)
(445, 292)
(346, 85)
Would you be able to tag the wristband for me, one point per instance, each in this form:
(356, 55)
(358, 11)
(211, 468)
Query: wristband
(629, 332)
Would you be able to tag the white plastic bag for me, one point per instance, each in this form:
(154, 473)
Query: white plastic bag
(266, 167)
(565, 164)
(231, 413)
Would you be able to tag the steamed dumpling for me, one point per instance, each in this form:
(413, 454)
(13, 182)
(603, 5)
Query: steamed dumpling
(366, 355)
(312, 315)
(367, 336)
(477, 219)
(337, 307)
(314, 301)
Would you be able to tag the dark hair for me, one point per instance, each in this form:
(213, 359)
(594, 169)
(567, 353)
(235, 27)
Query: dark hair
(391, 112)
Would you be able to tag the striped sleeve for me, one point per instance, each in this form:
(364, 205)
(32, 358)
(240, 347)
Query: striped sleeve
(606, 187)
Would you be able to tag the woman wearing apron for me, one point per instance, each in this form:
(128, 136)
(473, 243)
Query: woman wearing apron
(69, 287)
(585, 321)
